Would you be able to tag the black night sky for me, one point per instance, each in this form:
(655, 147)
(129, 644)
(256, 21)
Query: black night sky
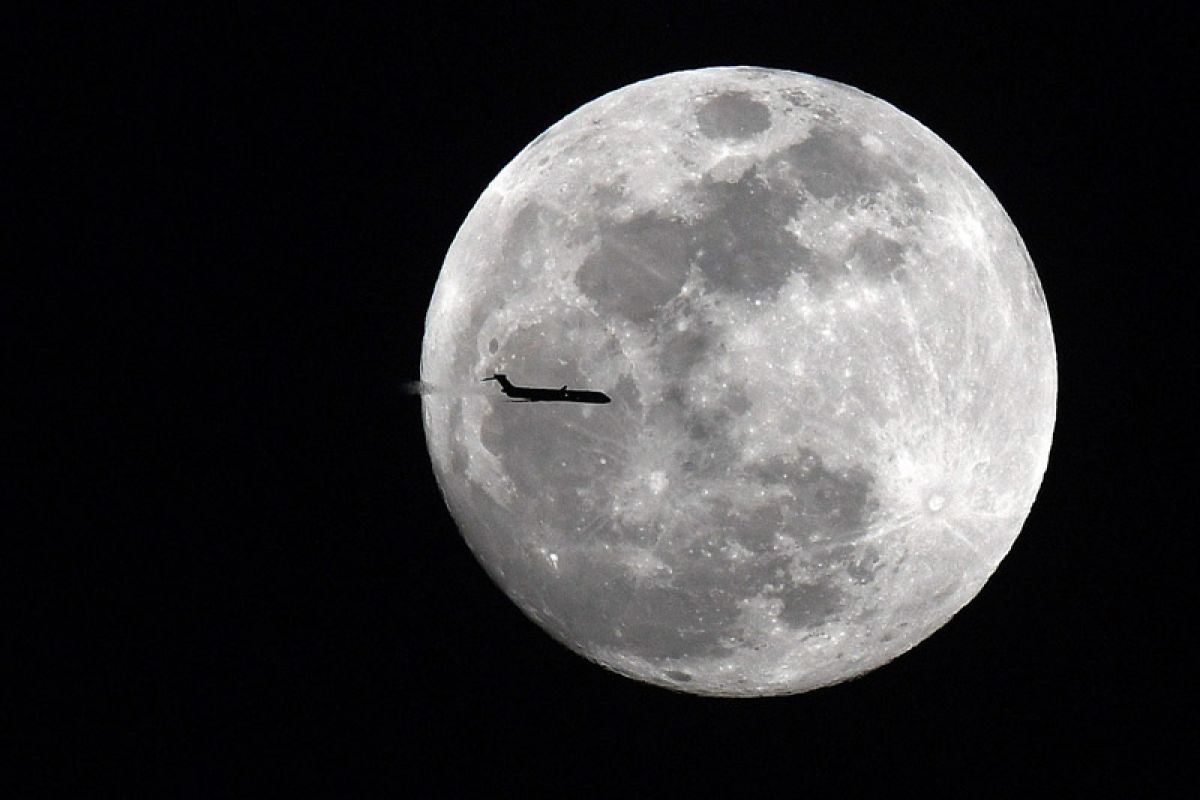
(240, 573)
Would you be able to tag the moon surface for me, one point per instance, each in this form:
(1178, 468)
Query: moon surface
(832, 370)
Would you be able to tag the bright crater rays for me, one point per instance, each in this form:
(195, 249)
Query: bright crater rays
(832, 371)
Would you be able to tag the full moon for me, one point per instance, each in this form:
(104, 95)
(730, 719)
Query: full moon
(831, 366)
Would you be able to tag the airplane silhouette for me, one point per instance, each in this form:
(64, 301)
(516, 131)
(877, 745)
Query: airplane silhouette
(528, 394)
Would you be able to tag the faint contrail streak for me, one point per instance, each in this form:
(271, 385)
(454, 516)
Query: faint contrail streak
(425, 387)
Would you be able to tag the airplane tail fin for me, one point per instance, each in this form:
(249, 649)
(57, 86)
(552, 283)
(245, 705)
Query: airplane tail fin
(502, 379)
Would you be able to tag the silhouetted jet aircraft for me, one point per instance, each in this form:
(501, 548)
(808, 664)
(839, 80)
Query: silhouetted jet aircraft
(527, 394)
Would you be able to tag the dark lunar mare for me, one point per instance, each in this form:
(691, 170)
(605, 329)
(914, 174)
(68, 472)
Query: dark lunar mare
(590, 596)
(740, 239)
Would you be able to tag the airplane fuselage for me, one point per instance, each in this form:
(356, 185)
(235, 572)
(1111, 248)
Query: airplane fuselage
(530, 394)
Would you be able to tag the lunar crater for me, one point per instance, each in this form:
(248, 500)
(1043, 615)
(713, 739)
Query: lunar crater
(733, 115)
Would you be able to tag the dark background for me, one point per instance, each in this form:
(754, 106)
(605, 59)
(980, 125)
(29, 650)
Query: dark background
(235, 570)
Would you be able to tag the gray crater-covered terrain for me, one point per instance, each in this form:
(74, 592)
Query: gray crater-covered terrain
(813, 321)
